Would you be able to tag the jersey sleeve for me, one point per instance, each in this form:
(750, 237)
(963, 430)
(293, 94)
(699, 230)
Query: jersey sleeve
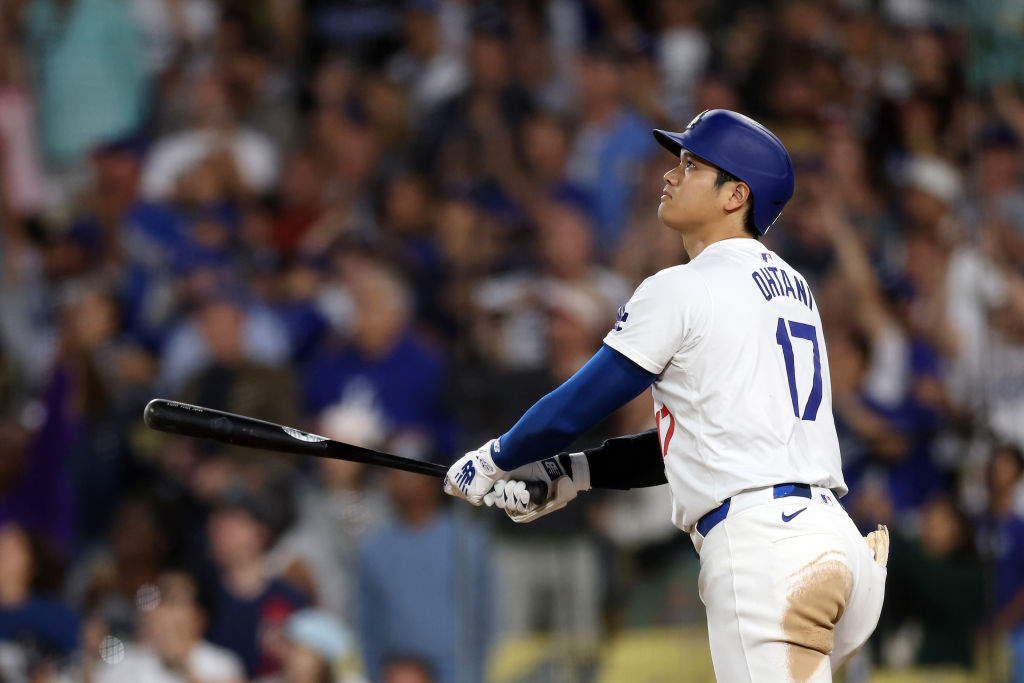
(669, 312)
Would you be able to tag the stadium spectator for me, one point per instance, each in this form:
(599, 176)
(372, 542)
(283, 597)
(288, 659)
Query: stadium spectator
(430, 66)
(883, 408)
(227, 329)
(320, 650)
(565, 256)
(683, 51)
(1004, 544)
(24, 182)
(611, 144)
(171, 648)
(84, 41)
(382, 368)
(107, 580)
(230, 380)
(477, 126)
(339, 506)
(242, 160)
(300, 200)
(37, 488)
(423, 586)
(545, 140)
(174, 34)
(944, 561)
(42, 629)
(248, 606)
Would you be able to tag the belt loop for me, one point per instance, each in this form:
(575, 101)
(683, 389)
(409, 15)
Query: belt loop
(786, 490)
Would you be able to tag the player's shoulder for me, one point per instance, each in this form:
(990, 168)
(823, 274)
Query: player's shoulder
(678, 287)
(678, 278)
(680, 274)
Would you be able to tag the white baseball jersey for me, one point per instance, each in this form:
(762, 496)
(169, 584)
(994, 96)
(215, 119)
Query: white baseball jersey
(743, 398)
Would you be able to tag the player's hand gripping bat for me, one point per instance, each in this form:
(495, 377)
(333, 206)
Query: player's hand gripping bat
(206, 423)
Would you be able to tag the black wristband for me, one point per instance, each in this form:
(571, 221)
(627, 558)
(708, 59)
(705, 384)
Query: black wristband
(625, 462)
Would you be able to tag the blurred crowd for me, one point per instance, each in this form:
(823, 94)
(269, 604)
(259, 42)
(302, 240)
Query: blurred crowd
(397, 223)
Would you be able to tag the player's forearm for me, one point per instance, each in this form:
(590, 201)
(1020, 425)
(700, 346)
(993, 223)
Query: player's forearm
(627, 462)
(607, 382)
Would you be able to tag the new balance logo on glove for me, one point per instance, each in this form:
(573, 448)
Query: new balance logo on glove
(465, 476)
(553, 469)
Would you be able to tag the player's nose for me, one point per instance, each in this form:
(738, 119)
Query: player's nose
(671, 177)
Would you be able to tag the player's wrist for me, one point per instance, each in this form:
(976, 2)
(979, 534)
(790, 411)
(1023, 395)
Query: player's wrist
(490, 455)
(497, 457)
(578, 468)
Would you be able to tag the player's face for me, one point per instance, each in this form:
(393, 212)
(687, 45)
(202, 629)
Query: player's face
(689, 198)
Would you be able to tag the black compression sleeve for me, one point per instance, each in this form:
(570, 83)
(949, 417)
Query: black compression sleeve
(627, 462)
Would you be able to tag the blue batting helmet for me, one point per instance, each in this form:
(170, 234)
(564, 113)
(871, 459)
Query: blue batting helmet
(746, 149)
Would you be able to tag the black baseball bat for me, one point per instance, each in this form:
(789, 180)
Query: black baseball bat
(206, 423)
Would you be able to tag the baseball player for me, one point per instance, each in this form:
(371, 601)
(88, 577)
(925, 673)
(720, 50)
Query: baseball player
(732, 345)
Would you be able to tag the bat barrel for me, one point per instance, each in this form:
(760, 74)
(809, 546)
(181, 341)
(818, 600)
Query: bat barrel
(240, 430)
(206, 423)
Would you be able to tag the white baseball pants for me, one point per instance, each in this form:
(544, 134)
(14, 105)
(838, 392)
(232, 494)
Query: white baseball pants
(790, 593)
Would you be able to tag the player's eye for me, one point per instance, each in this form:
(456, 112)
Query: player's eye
(690, 164)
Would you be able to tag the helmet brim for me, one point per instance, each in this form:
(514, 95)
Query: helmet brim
(673, 142)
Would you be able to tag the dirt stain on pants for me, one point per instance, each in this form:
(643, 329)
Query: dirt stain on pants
(816, 601)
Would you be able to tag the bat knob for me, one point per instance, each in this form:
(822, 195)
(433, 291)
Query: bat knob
(169, 416)
(150, 413)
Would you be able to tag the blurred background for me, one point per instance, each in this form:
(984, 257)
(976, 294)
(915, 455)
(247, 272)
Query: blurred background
(399, 223)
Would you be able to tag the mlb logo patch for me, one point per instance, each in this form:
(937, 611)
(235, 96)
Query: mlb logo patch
(827, 499)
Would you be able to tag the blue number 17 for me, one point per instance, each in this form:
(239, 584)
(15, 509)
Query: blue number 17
(808, 332)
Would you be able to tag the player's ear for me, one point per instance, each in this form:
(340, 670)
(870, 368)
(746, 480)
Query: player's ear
(738, 197)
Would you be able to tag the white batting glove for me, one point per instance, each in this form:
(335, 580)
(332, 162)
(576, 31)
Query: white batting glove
(512, 496)
(473, 475)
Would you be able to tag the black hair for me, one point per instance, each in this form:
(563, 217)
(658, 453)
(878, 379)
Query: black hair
(748, 218)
